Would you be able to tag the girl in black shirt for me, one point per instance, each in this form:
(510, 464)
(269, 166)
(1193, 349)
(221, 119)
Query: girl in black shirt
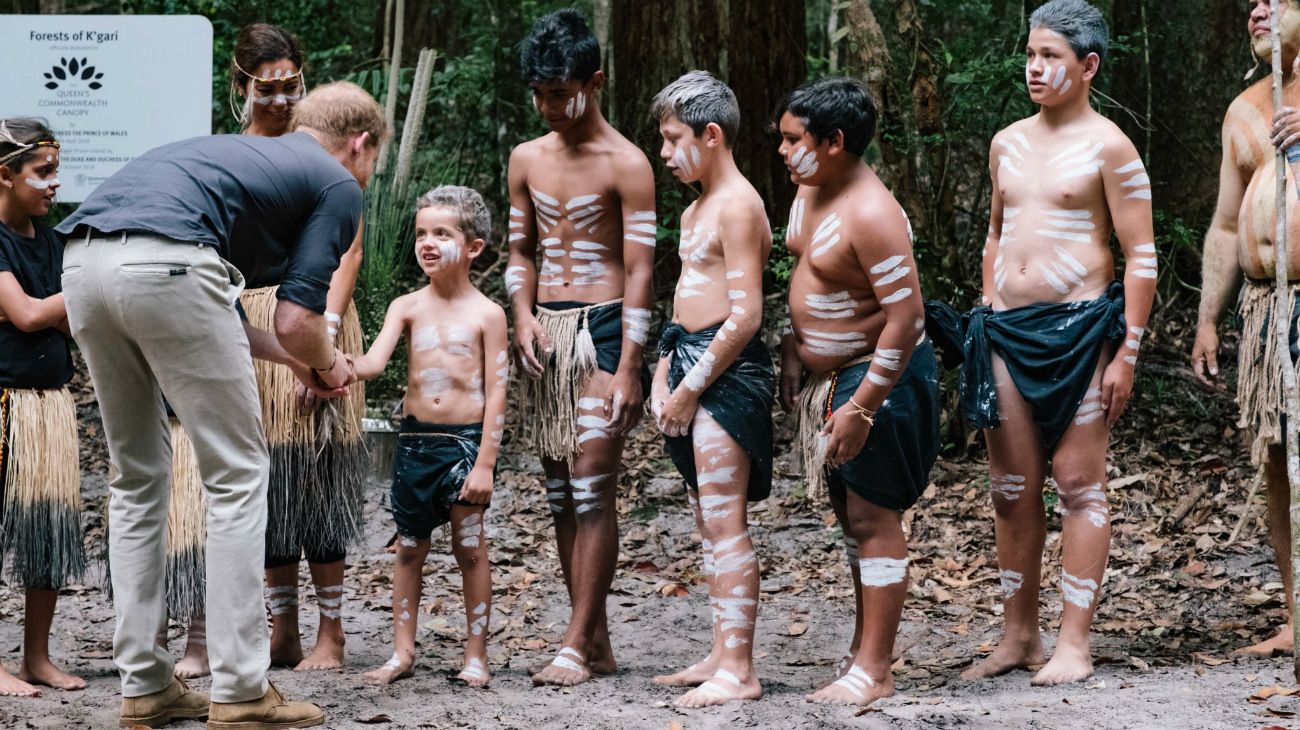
(40, 480)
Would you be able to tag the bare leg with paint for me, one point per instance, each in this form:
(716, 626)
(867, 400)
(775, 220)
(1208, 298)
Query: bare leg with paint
(1079, 467)
(469, 546)
(839, 505)
(282, 595)
(195, 662)
(408, 585)
(722, 471)
(1279, 533)
(1016, 472)
(37, 668)
(701, 671)
(328, 653)
(882, 579)
(591, 507)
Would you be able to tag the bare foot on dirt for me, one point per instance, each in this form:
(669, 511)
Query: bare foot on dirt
(1068, 664)
(1281, 644)
(1006, 657)
(11, 686)
(565, 670)
(855, 687)
(692, 676)
(392, 670)
(192, 665)
(286, 651)
(327, 654)
(43, 671)
(474, 673)
(722, 687)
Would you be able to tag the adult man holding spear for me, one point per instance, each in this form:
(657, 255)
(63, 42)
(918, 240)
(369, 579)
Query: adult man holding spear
(1248, 236)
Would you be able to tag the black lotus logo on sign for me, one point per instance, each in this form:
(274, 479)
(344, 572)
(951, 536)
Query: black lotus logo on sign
(71, 71)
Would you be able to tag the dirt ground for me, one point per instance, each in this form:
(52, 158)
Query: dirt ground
(1180, 594)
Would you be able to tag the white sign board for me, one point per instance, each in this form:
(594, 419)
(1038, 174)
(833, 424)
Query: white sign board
(111, 86)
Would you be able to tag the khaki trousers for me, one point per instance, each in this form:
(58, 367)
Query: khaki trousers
(156, 316)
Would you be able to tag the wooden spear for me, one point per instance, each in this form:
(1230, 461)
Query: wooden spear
(1282, 328)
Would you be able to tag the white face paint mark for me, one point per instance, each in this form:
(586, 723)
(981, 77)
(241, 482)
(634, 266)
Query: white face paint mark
(636, 324)
(450, 252)
(640, 228)
(1078, 591)
(434, 382)
(1007, 486)
(804, 162)
(687, 161)
(1011, 581)
(881, 572)
(839, 305)
(42, 184)
(794, 228)
(697, 377)
(1058, 79)
(825, 237)
(835, 344)
(576, 106)
(1079, 159)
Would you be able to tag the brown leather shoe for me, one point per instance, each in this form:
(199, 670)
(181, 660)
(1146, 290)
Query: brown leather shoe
(271, 712)
(177, 702)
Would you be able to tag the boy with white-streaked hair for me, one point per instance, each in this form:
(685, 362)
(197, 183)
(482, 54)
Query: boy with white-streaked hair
(714, 387)
(1051, 354)
(454, 419)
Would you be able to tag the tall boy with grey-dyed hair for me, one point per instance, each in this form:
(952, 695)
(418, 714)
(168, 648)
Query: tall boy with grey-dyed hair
(713, 390)
(1051, 352)
(454, 416)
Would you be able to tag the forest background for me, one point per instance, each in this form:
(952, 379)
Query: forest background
(948, 75)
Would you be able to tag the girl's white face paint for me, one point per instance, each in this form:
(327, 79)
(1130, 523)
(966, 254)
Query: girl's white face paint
(43, 184)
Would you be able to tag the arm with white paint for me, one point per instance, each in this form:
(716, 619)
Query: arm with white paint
(742, 233)
(1220, 267)
(521, 267)
(370, 365)
(636, 192)
(28, 313)
(1128, 195)
(990, 272)
(496, 367)
(883, 247)
(343, 284)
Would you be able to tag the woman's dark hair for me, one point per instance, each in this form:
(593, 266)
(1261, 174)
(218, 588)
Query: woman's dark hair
(560, 47)
(261, 43)
(18, 132)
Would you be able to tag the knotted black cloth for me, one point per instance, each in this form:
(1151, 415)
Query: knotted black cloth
(1050, 350)
(740, 400)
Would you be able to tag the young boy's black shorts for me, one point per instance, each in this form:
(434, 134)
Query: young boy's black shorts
(430, 466)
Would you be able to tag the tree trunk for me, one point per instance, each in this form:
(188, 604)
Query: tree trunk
(756, 46)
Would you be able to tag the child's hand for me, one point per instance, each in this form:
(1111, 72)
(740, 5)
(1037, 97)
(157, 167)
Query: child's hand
(478, 486)
(678, 412)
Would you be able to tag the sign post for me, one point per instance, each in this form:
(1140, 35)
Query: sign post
(110, 86)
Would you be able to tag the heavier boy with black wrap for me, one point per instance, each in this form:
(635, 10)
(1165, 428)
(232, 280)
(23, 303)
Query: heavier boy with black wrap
(869, 402)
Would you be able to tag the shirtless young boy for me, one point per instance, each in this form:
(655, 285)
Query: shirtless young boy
(1050, 356)
(454, 418)
(1240, 243)
(713, 391)
(586, 195)
(869, 402)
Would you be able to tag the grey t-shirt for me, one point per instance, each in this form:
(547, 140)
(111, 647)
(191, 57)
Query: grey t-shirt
(280, 207)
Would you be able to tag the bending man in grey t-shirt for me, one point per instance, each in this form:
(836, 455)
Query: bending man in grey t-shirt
(151, 301)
